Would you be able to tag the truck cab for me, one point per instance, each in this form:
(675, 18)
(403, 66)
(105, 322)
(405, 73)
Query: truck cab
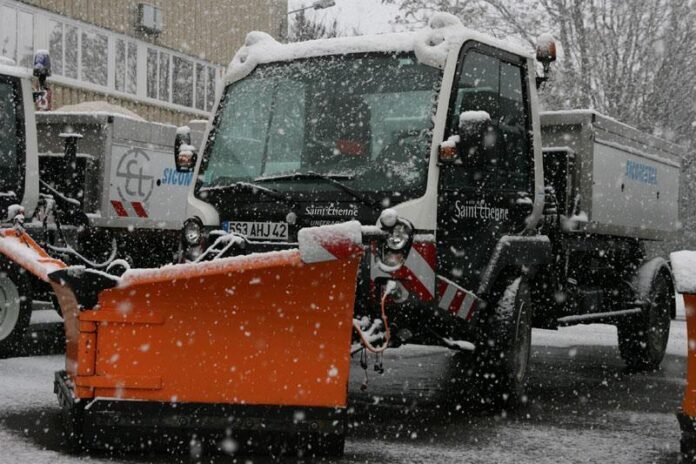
(435, 137)
(19, 193)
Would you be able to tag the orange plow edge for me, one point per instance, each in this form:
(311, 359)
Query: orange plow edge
(226, 348)
(684, 269)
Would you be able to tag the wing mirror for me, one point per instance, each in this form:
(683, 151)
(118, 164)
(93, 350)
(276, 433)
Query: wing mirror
(472, 136)
(185, 156)
(42, 71)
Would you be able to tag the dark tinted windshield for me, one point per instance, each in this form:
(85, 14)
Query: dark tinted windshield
(11, 134)
(365, 116)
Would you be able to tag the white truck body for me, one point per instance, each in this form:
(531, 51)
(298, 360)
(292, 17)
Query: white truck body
(624, 182)
(130, 180)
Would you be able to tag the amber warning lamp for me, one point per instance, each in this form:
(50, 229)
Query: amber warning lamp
(545, 54)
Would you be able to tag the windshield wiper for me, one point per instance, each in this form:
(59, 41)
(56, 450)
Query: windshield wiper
(249, 187)
(329, 178)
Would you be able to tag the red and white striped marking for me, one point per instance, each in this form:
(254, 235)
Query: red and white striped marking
(329, 243)
(417, 275)
(454, 299)
(129, 209)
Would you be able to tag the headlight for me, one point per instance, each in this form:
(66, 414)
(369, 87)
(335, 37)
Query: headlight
(399, 237)
(193, 232)
(393, 260)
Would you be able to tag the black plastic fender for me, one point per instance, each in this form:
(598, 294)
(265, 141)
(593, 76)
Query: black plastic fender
(526, 253)
(643, 280)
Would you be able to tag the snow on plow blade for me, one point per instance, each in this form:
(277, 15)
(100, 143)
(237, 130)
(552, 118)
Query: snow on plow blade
(684, 269)
(237, 345)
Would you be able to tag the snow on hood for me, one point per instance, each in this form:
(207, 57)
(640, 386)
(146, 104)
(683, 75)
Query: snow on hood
(98, 107)
(431, 46)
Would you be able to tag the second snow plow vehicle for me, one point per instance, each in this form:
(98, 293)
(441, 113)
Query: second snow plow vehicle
(496, 235)
(244, 349)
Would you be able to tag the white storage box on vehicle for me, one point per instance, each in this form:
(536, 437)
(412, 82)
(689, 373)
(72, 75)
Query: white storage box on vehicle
(129, 175)
(622, 182)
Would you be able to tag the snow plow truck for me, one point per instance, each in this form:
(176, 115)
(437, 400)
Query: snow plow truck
(480, 233)
(19, 199)
(499, 219)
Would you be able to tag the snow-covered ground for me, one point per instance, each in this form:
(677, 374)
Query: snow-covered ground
(607, 427)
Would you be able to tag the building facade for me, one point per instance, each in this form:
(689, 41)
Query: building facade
(161, 59)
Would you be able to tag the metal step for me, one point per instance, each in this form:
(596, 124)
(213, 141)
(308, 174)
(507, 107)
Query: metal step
(581, 318)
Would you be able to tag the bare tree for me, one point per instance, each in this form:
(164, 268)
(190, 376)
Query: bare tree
(304, 28)
(633, 61)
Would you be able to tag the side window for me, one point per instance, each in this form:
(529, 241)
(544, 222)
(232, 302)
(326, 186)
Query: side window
(513, 123)
(479, 85)
(10, 142)
(496, 87)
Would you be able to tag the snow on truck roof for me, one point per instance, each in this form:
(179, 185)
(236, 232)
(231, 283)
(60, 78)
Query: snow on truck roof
(431, 45)
(9, 68)
(98, 108)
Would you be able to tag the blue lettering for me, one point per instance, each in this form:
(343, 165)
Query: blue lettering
(171, 177)
(641, 172)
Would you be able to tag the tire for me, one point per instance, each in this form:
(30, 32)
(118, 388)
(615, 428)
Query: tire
(643, 339)
(501, 361)
(15, 308)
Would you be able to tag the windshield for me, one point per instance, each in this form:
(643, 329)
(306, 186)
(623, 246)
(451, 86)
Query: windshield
(364, 118)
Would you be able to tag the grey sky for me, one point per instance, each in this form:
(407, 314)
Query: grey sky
(367, 16)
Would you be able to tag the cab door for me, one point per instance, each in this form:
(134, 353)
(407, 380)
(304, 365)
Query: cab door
(488, 193)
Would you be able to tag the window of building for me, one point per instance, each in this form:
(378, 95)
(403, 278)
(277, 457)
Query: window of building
(152, 82)
(200, 86)
(81, 52)
(25, 39)
(182, 82)
(8, 32)
(95, 58)
(164, 77)
(55, 46)
(71, 51)
(126, 73)
(210, 89)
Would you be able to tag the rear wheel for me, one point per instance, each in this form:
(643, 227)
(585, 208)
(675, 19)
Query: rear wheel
(643, 339)
(15, 308)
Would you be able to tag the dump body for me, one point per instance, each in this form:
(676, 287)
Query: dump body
(622, 182)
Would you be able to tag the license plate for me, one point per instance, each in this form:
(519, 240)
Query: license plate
(258, 230)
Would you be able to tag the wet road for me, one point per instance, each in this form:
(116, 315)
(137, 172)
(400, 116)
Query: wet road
(582, 407)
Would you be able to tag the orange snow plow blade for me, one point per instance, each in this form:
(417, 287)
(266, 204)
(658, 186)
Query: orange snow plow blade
(20, 248)
(259, 331)
(269, 329)
(684, 269)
